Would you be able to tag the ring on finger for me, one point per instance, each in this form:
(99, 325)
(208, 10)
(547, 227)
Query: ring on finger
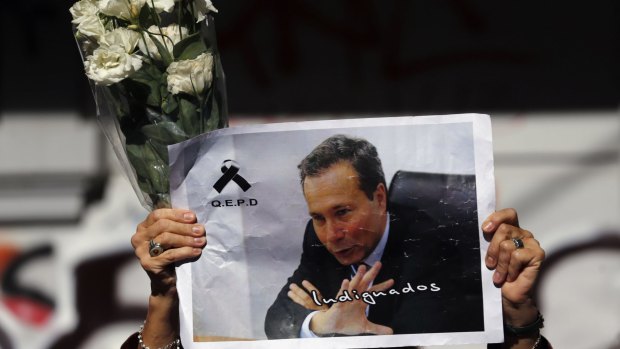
(155, 248)
(518, 243)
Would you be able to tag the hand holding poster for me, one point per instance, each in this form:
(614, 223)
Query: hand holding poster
(339, 229)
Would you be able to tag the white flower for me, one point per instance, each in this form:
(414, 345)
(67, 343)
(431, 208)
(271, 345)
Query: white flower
(83, 9)
(172, 35)
(162, 5)
(124, 9)
(123, 37)
(201, 8)
(91, 26)
(191, 76)
(111, 64)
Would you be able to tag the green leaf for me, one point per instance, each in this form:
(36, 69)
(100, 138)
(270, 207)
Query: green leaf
(147, 72)
(150, 76)
(169, 104)
(207, 34)
(112, 95)
(157, 171)
(189, 118)
(155, 116)
(136, 157)
(166, 132)
(151, 168)
(214, 117)
(160, 149)
(163, 89)
(189, 48)
(163, 51)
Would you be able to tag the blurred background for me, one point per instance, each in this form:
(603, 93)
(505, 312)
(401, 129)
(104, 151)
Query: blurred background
(548, 73)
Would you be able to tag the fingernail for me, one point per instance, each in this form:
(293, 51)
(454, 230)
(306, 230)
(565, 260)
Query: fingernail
(188, 216)
(197, 229)
(487, 226)
(197, 251)
(496, 278)
(490, 260)
(199, 240)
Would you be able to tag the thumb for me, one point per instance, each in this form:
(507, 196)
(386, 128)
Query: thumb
(372, 328)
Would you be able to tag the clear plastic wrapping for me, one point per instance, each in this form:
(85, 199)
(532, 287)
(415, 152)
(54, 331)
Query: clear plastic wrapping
(157, 80)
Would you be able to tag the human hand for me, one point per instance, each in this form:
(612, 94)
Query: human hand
(179, 235)
(516, 269)
(349, 318)
(301, 297)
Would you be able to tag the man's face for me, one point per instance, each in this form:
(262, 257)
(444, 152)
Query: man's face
(348, 223)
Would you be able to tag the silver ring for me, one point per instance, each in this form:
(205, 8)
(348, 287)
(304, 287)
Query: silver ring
(155, 248)
(518, 243)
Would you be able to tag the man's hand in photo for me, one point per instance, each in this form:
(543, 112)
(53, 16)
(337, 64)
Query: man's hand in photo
(349, 317)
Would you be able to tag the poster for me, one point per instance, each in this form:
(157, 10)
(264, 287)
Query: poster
(292, 211)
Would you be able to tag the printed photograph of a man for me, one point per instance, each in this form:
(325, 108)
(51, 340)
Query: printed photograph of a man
(371, 265)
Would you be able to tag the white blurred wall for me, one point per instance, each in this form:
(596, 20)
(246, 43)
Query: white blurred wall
(562, 173)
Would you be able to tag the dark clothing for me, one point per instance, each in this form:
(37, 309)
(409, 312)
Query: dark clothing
(131, 342)
(421, 254)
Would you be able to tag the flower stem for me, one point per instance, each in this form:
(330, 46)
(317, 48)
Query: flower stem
(180, 16)
(192, 11)
(201, 102)
(157, 21)
(148, 53)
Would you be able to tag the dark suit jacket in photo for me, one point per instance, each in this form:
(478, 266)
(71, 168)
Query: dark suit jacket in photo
(432, 245)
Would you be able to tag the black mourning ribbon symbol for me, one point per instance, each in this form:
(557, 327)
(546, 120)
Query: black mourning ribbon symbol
(230, 173)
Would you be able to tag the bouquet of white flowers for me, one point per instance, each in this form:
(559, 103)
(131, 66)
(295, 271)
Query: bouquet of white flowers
(157, 80)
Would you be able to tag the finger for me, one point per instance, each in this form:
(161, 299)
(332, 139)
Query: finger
(173, 214)
(369, 277)
(506, 249)
(503, 233)
(168, 257)
(163, 232)
(528, 262)
(299, 300)
(344, 286)
(170, 240)
(295, 289)
(372, 328)
(497, 218)
(166, 225)
(300, 294)
(357, 279)
(382, 286)
(179, 254)
(531, 255)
